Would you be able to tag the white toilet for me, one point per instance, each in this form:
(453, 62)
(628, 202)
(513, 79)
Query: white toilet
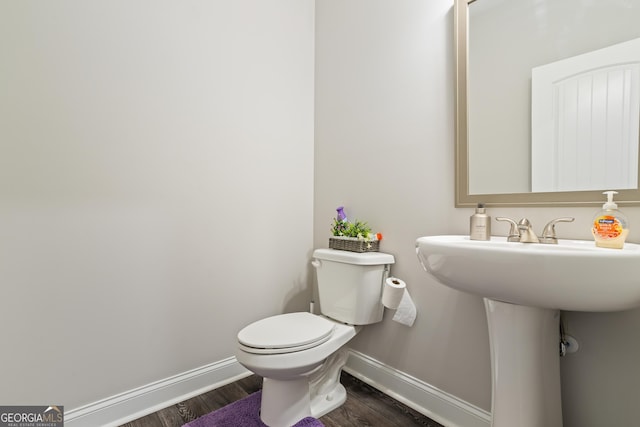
(300, 355)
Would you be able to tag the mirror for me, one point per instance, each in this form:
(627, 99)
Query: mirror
(562, 29)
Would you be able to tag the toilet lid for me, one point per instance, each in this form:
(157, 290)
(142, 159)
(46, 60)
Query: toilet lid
(285, 333)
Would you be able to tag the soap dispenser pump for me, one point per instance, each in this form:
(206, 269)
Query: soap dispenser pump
(610, 226)
(480, 224)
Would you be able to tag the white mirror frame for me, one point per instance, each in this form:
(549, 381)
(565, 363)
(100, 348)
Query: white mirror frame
(462, 196)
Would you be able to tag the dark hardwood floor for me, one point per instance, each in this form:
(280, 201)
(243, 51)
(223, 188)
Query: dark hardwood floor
(365, 407)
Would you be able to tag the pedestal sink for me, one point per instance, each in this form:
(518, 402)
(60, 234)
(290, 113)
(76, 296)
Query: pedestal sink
(524, 286)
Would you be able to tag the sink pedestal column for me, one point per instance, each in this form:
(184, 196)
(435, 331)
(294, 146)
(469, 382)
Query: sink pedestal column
(525, 365)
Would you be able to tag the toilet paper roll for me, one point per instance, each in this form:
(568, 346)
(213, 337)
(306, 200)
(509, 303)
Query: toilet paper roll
(392, 292)
(396, 297)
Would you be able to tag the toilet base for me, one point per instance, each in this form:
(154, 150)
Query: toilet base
(281, 407)
(323, 404)
(284, 403)
(326, 391)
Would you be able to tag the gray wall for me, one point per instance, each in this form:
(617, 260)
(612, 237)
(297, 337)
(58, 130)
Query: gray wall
(156, 190)
(384, 150)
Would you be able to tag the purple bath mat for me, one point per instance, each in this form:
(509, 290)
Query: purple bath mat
(243, 413)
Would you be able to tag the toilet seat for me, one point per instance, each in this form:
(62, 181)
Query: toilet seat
(285, 333)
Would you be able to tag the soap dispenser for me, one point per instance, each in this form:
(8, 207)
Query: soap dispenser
(480, 224)
(610, 226)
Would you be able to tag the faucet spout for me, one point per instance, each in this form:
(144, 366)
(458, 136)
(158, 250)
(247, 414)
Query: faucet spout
(527, 235)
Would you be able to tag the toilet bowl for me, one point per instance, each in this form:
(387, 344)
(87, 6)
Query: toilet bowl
(301, 355)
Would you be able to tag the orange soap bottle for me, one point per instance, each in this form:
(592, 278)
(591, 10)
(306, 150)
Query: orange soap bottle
(610, 226)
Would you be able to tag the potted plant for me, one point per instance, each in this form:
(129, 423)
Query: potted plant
(353, 236)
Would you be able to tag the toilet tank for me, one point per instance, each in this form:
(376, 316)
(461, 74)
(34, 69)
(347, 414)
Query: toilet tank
(350, 284)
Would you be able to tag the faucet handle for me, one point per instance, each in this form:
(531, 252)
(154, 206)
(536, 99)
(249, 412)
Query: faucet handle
(514, 234)
(549, 232)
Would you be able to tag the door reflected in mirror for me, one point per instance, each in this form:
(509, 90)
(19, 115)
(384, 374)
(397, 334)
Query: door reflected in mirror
(585, 121)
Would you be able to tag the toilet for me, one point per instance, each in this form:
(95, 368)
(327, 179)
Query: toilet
(300, 355)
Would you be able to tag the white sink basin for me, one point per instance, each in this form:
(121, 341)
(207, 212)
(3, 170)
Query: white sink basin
(524, 286)
(573, 275)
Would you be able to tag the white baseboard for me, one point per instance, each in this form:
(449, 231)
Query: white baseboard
(113, 411)
(133, 404)
(436, 404)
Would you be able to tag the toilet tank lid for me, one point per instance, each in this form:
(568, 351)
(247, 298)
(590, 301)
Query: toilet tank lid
(358, 258)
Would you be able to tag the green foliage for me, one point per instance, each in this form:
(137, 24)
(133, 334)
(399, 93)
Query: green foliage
(358, 229)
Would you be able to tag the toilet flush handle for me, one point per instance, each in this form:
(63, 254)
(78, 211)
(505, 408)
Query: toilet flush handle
(316, 263)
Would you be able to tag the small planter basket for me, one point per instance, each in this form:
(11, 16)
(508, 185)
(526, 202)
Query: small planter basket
(354, 244)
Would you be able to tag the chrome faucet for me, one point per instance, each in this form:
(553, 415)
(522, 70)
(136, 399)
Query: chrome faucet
(522, 231)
